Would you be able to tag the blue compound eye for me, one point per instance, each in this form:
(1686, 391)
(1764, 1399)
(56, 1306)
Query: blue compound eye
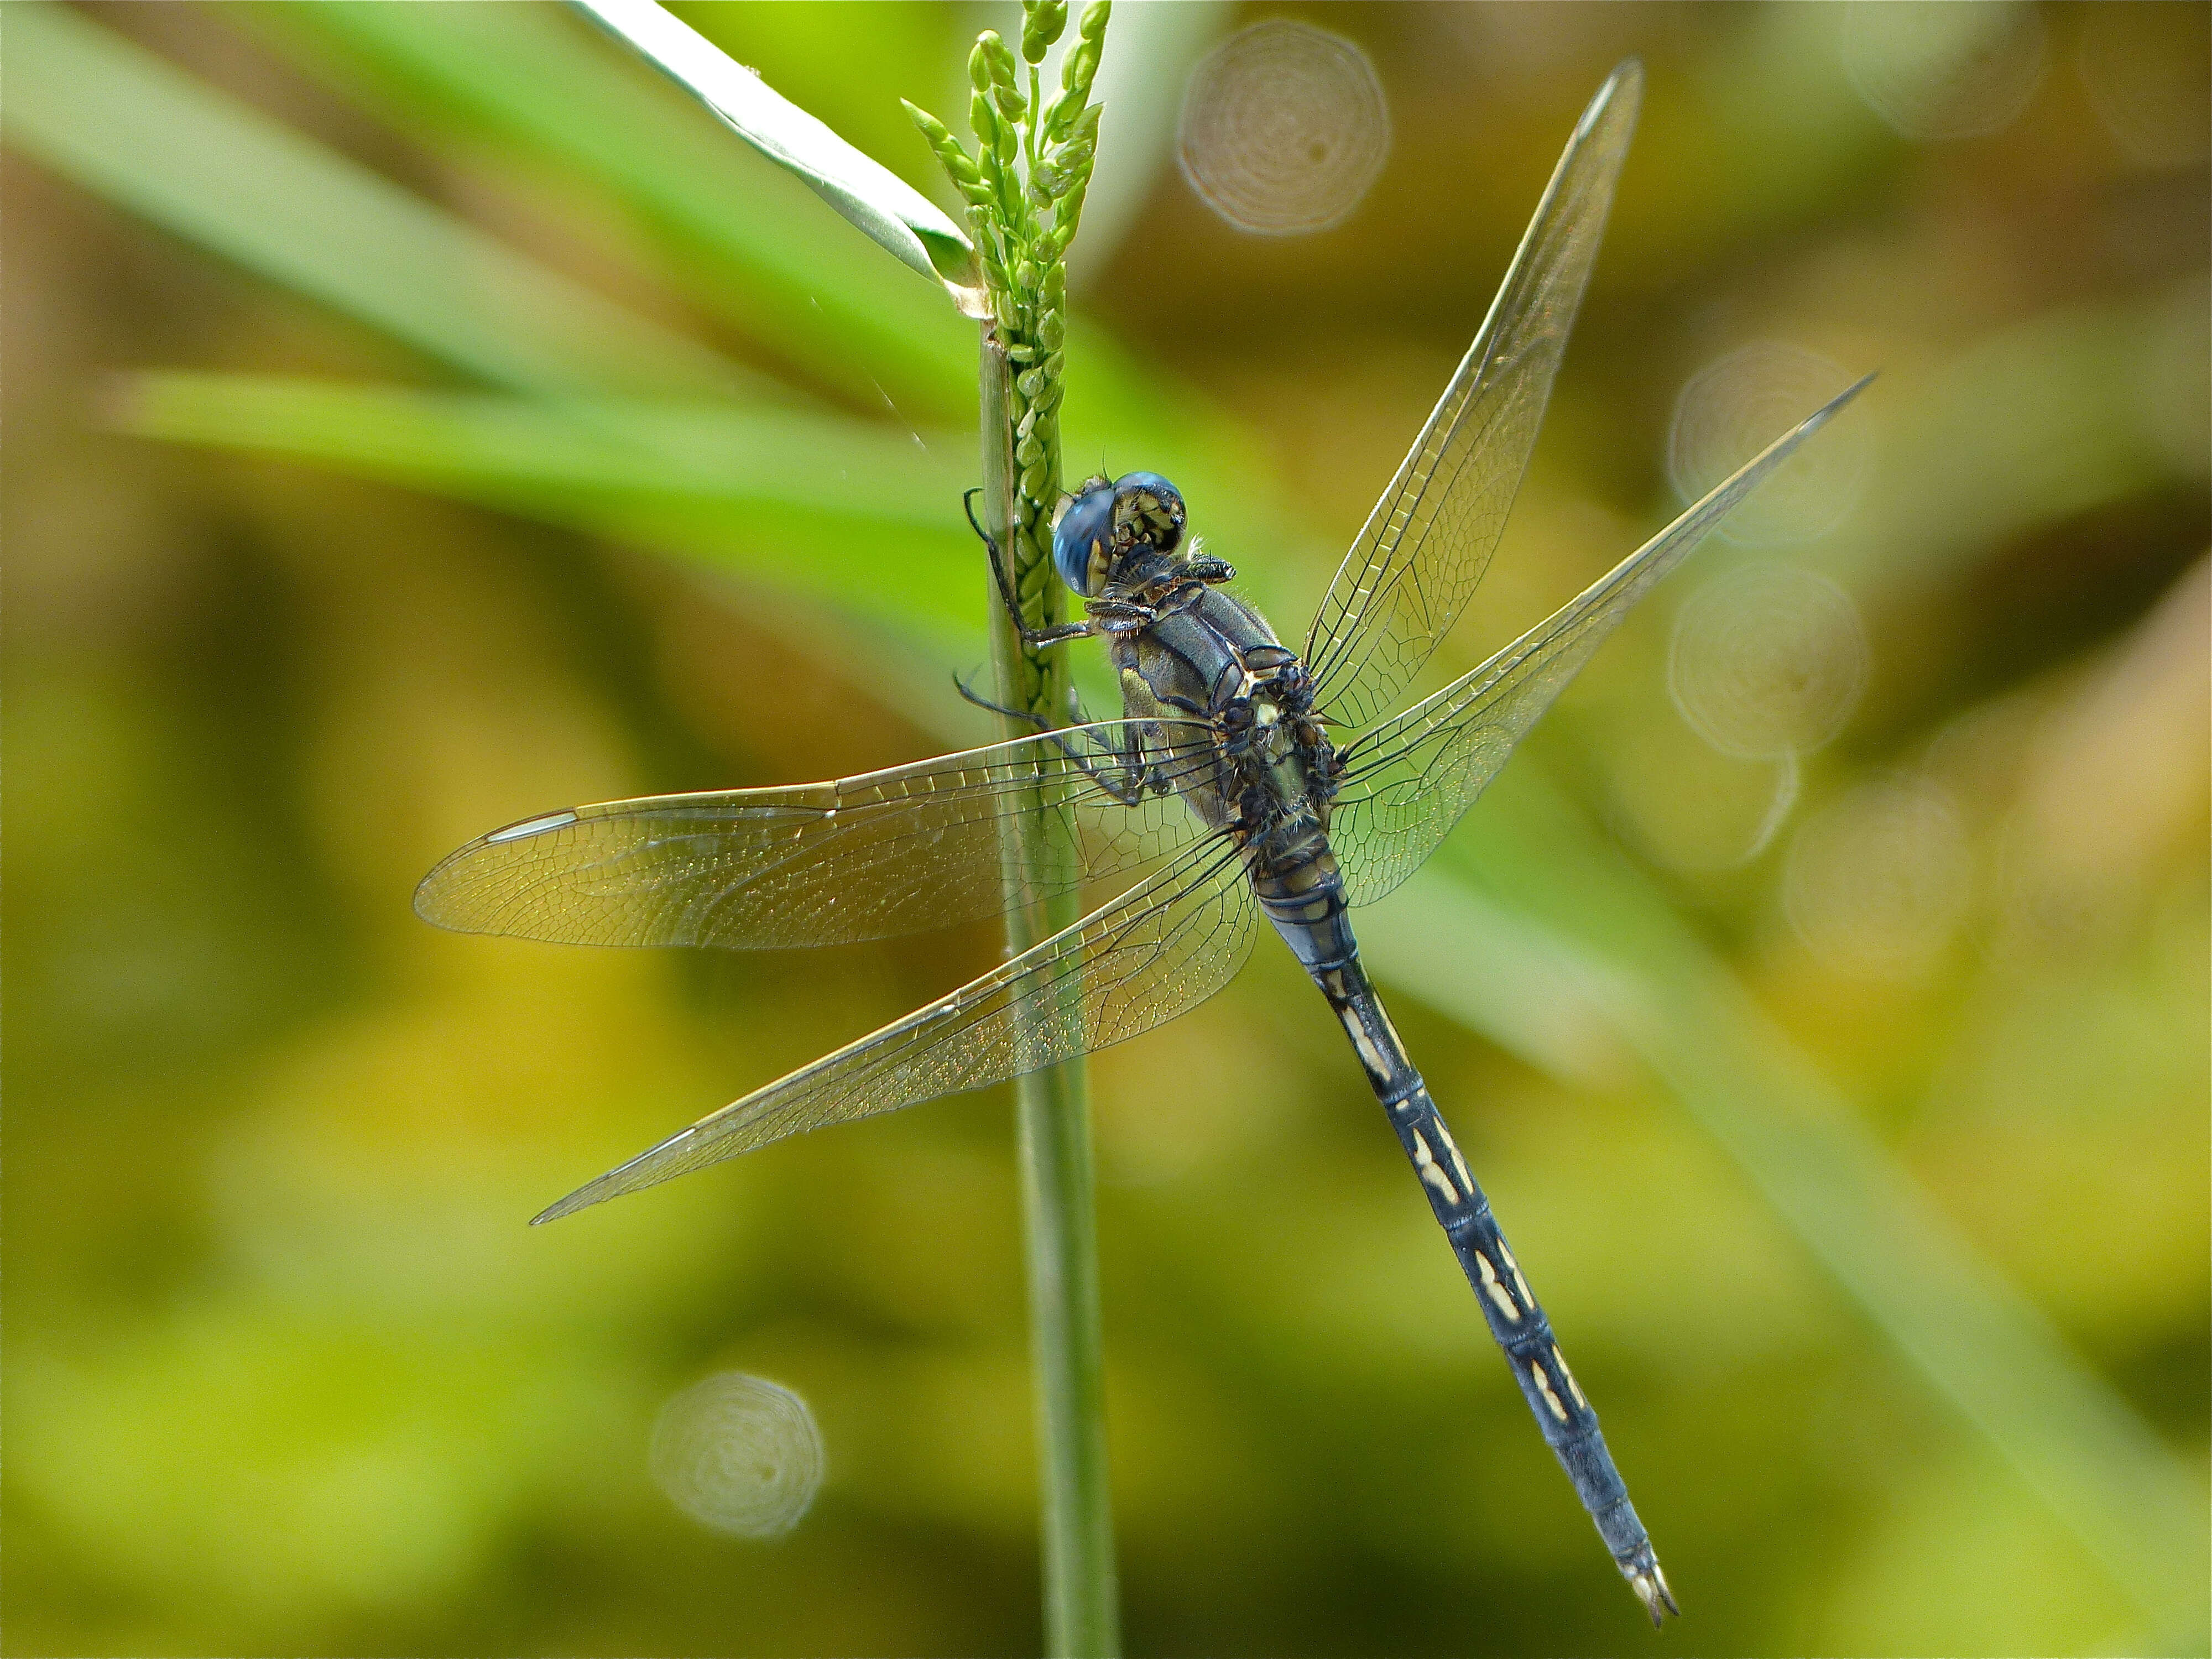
(1087, 523)
(1147, 508)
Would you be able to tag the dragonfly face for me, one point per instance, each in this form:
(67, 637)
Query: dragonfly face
(1216, 801)
(1118, 533)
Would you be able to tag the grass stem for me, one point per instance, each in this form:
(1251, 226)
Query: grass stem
(1053, 1112)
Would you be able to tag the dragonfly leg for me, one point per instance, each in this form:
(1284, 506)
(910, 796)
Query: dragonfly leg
(1121, 616)
(1033, 638)
(1028, 715)
(1124, 778)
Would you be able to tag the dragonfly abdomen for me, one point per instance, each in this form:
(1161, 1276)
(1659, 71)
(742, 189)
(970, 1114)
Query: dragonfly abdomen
(1301, 894)
(1517, 1320)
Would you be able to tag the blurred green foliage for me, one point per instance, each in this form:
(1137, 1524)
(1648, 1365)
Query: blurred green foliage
(530, 441)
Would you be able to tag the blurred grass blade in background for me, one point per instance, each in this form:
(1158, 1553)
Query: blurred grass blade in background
(885, 209)
(810, 502)
(521, 450)
(126, 125)
(761, 256)
(748, 245)
(2032, 425)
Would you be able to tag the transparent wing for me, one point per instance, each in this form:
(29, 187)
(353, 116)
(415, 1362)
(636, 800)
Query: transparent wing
(1158, 950)
(876, 856)
(1430, 536)
(1407, 781)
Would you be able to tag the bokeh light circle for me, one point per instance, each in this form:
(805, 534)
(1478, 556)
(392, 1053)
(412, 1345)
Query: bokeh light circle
(1877, 883)
(2149, 72)
(739, 1454)
(1737, 405)
(1284, 128)
(1943, 68)
(1767, 661)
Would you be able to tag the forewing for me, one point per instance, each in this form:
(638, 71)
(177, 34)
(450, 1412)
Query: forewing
(1161, 949)
(1429, 538)
(1407, 781)
(876, 856)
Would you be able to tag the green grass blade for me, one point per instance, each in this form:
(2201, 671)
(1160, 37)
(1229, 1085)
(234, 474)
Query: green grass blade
(882, 205)
(517, 72)
(753, 246)
(815, 505)
(594, 448)
(130, 128)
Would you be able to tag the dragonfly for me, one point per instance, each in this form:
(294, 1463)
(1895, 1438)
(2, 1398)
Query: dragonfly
(1244, 782)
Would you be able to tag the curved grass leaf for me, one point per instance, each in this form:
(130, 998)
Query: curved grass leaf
(574, 109)
(750, 245)
(885, 207)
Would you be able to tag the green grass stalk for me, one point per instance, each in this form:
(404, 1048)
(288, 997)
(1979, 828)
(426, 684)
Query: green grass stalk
(1025, 187)
(1053, 1115)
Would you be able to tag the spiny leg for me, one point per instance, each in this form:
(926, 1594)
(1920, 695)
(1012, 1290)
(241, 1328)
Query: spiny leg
(1128, 788)
(1028, 716)
(1033, 638)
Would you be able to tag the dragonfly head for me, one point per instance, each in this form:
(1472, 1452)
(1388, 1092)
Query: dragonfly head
(1108, 517)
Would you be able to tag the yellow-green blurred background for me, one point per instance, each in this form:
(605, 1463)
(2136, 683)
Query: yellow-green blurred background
(419, 415)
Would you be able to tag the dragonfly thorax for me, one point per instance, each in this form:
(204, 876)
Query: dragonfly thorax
(1210, 657)
(1284, 767)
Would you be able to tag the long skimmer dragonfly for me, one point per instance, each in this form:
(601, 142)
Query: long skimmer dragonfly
(1227, 794)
